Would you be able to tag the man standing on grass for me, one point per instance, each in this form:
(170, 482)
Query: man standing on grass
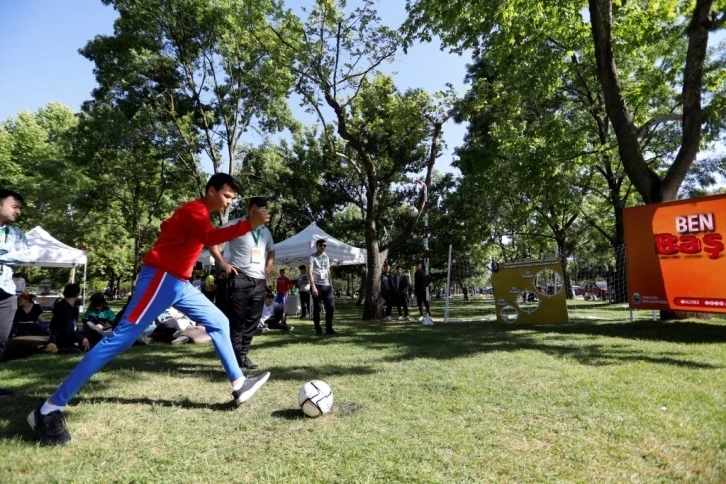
(250, 260)
(164, 282)
(283, 284)
(303, 285)
(419, 283)
(400, 286)
(321, 287)
(13, 249)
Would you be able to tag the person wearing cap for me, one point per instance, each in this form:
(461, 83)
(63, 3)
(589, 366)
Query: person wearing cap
(250, 260)
(321, 287)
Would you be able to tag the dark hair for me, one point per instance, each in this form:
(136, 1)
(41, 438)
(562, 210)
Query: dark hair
(27, 296)
(302, 267)
(269, 295)
(282, 270)
(219, 180)
(257, 201)
(5, 193)
(97, 299)
(71, 290)
(320, 242)
(418, 262)
(399, 267)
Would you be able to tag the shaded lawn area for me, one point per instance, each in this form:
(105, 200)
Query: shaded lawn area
(587, 401)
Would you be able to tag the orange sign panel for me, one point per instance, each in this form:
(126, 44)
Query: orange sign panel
(676, 257)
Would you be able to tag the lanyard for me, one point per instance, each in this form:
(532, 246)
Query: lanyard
(256, 236)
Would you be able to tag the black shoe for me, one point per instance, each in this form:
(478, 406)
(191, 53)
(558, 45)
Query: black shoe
(249, 387)
(318, 332)
(4, 393)
(249, 364)
(330, 331)
(51, 428)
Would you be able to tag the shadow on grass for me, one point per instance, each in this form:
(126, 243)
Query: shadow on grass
(184, 403)
(676, 332)
(288, 414)
(589, 344)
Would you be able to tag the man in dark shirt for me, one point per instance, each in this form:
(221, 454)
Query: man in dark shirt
(419, 285)
(64, 324)
(387, 289)
(400, 286)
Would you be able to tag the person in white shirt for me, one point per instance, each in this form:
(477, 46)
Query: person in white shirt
(303, 286)
(19, 281)
(321, 287)
(272, 316)
(250, 260)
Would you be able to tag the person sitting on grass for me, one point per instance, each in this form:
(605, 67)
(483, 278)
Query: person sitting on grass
(64, 323)
(29, 319)
(170, 327)
(98, 315)
(273, 316)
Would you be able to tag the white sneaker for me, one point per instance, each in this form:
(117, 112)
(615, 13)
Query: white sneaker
(389, 318)
(400, 318)
(145, 339)
(180, 340)
(421, 318)
(249, 387)
(408, 319)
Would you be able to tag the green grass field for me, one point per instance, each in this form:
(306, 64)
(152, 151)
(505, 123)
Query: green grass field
(590, 401)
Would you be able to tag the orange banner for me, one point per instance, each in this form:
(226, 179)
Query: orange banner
(676, 256)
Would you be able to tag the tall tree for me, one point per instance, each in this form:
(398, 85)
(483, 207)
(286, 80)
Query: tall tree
(701, 19)
(385, 132)
(210, 68)
(650, 60)
(136, 181)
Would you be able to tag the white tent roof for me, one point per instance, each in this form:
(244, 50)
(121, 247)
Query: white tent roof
(46, 251)
(297, 249)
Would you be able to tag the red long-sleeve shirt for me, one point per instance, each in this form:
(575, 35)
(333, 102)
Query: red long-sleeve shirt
(283, 285)
(184, 235)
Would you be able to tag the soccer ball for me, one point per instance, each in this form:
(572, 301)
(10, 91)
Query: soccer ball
(413, 212)
(315, 398)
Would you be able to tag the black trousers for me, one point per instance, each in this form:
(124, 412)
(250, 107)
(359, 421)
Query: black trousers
(325, 297)
(245, 297)
(304, 304)
(421, 300)
(402, 301)
(388, 297)
(8, 306)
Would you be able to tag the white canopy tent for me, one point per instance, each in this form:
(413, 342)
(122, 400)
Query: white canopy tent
(46, 251)
(297, 249)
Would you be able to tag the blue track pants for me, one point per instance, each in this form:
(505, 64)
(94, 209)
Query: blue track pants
(155, 291)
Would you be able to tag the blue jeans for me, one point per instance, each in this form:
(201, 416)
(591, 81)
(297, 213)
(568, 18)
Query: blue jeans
(155, 291)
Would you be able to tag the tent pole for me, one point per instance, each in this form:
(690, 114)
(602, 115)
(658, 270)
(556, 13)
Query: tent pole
(85, 266)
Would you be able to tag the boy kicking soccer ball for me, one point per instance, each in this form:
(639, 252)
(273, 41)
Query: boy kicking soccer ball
(164, 282)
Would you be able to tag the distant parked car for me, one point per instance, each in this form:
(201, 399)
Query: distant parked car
(596, 290)
(577, 290)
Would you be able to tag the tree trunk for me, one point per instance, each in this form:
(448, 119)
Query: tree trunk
(362, 290)
(566, 279)
(373, 308)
